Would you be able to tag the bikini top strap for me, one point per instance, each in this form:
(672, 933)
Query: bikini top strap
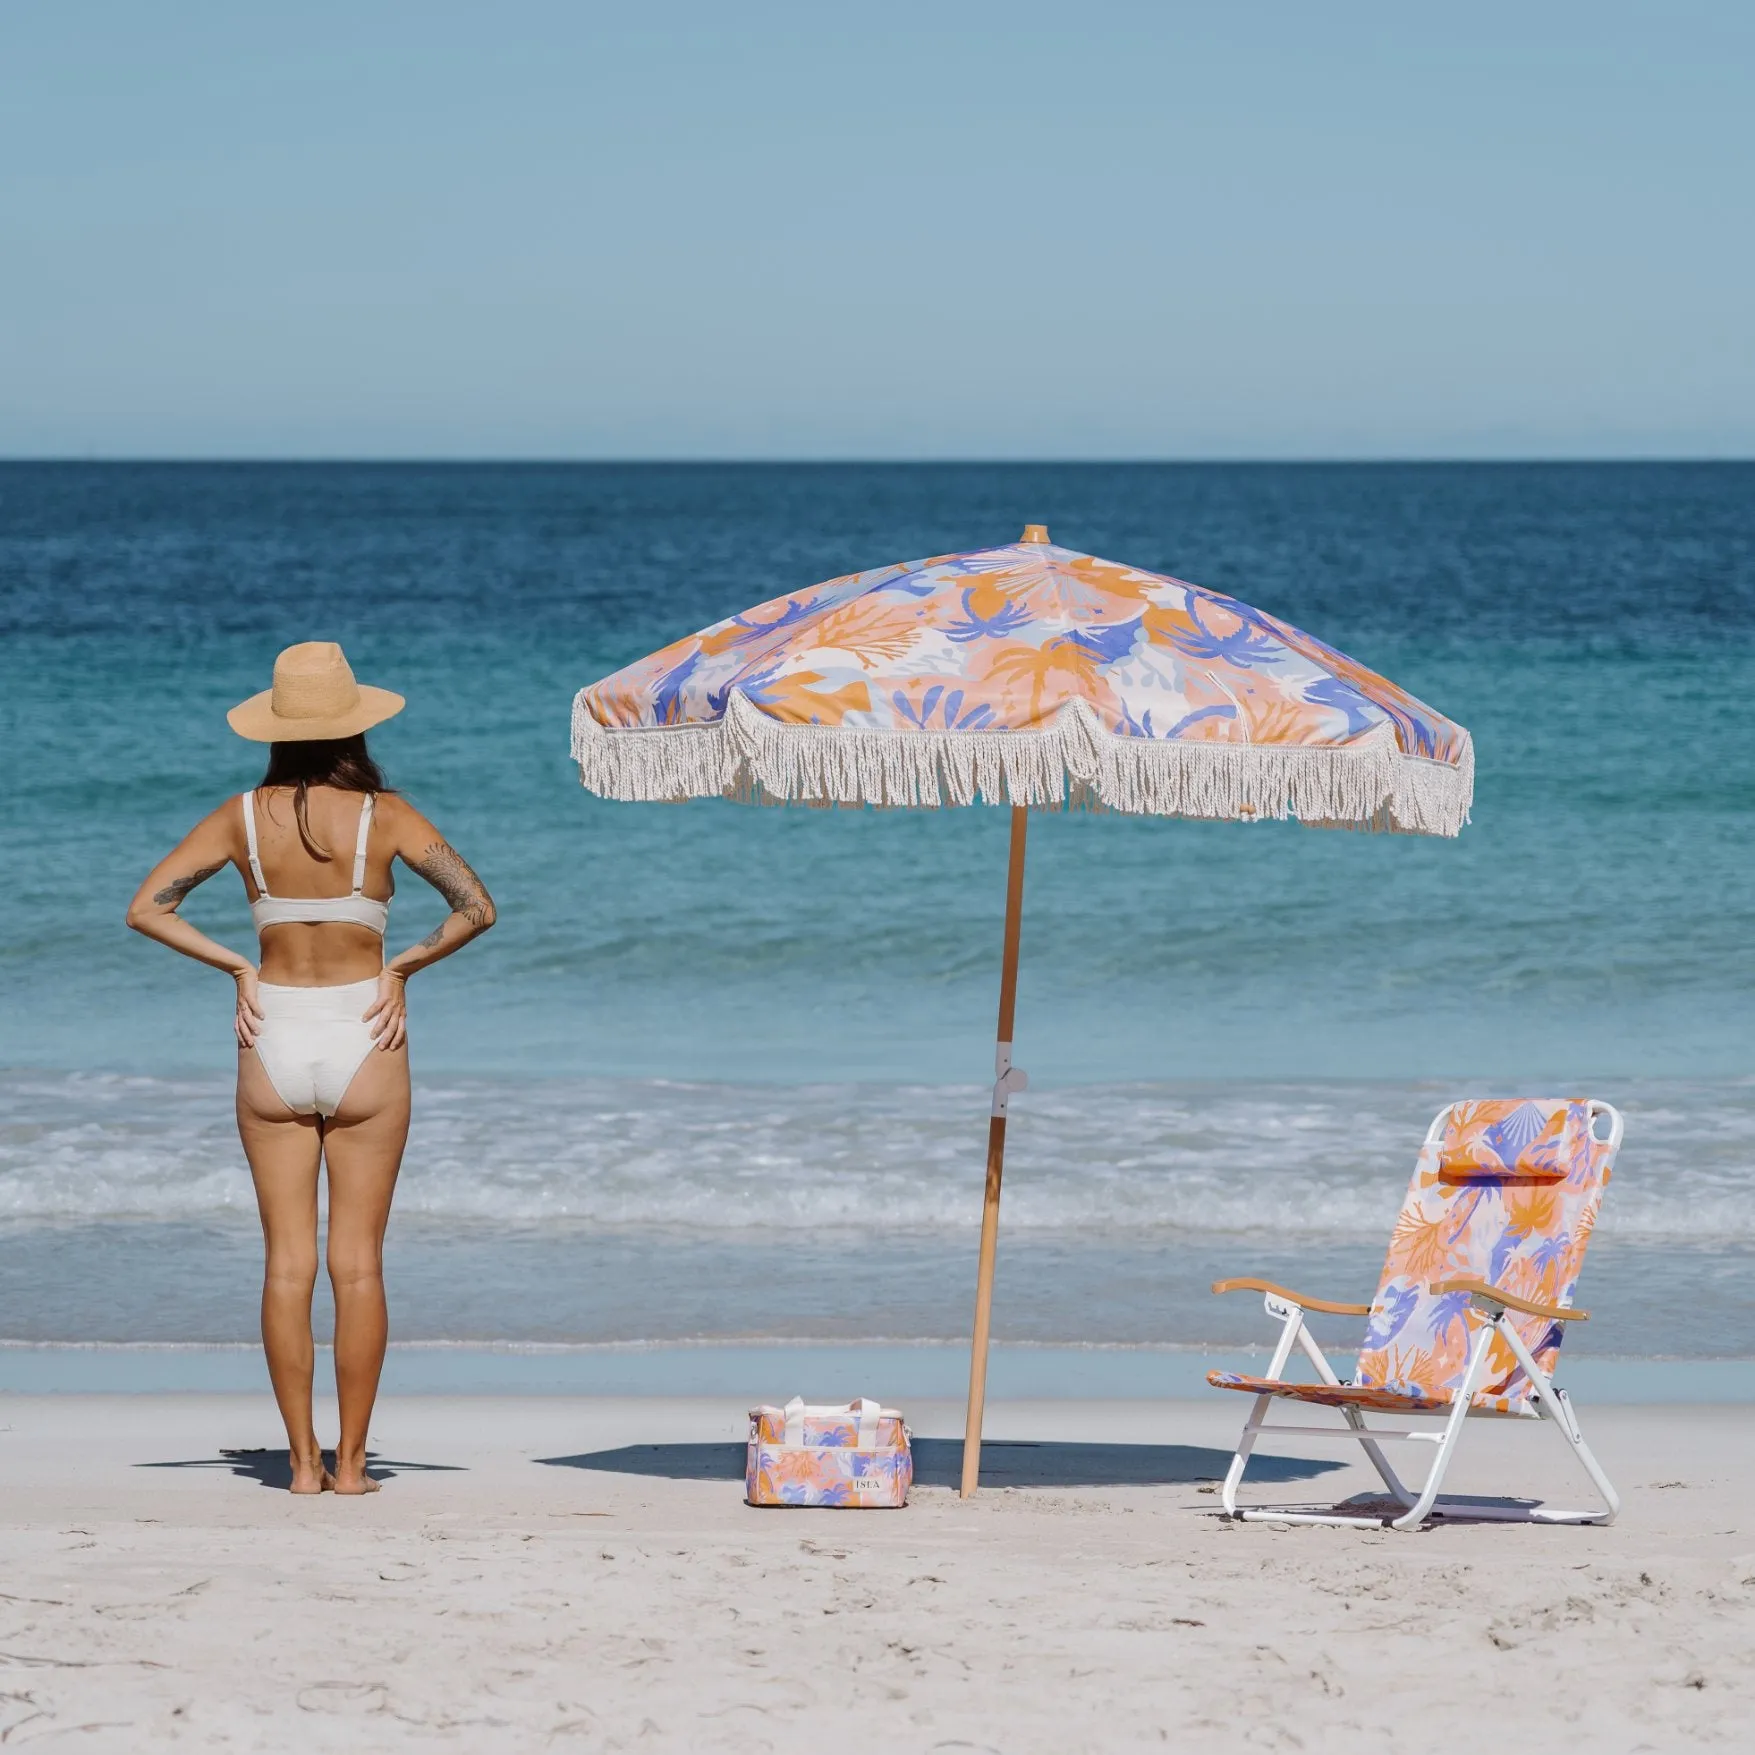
(250, 840)
(359, 852)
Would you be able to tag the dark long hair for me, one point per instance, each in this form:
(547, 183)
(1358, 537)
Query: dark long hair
(341, 762)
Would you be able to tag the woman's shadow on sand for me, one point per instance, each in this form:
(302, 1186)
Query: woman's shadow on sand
(938, 1462)
(273, 1468)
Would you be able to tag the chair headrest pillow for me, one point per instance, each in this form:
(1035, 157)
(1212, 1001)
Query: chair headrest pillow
(1523, 1138)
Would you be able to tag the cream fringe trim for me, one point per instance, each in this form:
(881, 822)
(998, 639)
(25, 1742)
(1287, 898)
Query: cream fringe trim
(1076, 762)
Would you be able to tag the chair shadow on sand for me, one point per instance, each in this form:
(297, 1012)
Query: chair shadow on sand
(271, 1468)
(938, 1462)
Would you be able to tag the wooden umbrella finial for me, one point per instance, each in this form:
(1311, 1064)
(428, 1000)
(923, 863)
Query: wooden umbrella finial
(1034, 533)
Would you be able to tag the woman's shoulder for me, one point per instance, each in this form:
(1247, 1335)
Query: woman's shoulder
(398, 816)
(223, 826)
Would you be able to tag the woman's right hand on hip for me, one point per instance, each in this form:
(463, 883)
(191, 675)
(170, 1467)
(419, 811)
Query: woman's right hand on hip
(249, 1019)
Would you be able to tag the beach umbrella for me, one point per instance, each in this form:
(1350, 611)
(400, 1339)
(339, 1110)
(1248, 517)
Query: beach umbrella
(1028, 676)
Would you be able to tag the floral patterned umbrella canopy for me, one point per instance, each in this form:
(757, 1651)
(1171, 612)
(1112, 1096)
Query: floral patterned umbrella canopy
(1025, 675)
(1029, 676)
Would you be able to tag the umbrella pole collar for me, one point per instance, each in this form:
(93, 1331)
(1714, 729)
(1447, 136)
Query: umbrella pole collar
(1006, 1078)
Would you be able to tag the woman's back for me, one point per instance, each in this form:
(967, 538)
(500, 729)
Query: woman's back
(293, 867)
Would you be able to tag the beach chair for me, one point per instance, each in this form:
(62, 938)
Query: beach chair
(1469, 1314)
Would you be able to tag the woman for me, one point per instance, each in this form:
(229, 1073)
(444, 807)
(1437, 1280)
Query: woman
(322, 1026)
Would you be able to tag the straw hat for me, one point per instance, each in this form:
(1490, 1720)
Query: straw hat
(314, 696)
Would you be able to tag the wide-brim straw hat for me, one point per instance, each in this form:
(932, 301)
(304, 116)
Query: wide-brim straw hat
(314, 696)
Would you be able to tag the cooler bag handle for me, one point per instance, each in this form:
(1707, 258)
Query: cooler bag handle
(867, 1410)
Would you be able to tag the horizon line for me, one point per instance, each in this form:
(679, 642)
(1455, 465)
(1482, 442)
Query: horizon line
(317, 460)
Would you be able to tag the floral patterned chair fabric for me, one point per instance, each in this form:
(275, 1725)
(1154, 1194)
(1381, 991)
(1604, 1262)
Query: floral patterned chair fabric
(1521, 1227)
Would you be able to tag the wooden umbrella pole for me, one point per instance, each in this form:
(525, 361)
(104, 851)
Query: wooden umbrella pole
(1007, 1079)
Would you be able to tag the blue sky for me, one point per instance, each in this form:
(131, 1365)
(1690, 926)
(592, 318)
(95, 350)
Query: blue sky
(948, 230)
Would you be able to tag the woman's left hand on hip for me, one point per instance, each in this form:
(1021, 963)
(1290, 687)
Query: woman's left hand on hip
(390, 1010)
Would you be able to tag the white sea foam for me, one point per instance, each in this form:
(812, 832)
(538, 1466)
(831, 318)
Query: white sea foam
(1309, 1159)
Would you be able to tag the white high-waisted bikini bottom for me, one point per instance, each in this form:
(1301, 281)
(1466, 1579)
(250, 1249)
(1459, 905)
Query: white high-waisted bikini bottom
(313, 1040)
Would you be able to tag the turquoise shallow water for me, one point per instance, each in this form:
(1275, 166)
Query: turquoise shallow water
(707, 1029)
(776, 1372)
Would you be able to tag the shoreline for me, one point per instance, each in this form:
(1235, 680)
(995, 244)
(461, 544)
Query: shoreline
(752, 1371)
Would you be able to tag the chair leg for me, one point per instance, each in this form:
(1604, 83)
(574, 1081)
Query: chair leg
(1415, 1515)
(1240, 1460)
(1555, 1406)
(1379, 1461)
(1292, 1328)
(1567, 1421)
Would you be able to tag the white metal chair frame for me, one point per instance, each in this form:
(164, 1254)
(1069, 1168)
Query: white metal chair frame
(1493, 1313)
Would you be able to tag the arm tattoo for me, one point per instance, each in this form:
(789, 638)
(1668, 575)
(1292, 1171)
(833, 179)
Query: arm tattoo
(448, 872)
(432, 938)
(171, 896)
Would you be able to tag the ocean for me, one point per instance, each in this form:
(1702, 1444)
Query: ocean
(718, 1075)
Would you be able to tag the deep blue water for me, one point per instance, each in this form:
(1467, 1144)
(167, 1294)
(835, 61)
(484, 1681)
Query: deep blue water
(1593, 625)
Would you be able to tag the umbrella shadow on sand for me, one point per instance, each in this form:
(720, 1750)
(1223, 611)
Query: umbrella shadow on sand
(938, 1462)
(271, 1468)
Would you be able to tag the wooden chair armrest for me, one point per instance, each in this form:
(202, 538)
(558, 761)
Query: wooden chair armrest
(1511, 1301)
(1298, 1298)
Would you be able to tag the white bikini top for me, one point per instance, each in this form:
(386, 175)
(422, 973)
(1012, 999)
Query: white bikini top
(357, 909)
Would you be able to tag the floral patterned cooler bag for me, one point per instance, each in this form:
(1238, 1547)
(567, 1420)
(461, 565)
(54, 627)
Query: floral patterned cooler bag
(853, 1455)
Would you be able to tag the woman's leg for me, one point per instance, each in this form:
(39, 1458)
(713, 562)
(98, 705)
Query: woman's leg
(363, 1144)
(284, 1150)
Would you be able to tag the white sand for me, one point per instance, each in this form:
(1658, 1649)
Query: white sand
(509, 1605)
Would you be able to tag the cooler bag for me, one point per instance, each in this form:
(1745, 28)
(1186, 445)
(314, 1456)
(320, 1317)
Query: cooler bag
(853, 1455)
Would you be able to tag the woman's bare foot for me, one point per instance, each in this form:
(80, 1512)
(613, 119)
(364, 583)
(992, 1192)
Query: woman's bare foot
(308, 1473)
(351, 1478)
